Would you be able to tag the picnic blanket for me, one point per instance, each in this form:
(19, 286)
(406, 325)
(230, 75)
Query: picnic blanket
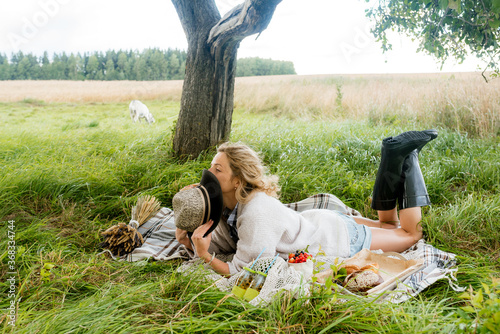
(160, 244)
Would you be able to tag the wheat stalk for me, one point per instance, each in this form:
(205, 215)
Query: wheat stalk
(121, 239)
(146, 207)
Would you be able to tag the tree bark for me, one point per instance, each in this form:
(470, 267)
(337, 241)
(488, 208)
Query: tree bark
(207, 95)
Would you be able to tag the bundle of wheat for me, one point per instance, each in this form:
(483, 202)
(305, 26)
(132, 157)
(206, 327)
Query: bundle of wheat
(121, 239)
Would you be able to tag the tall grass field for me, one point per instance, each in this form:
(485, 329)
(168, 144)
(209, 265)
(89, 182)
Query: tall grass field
(72, 164)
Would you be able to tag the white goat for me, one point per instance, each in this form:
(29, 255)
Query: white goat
(139, 110)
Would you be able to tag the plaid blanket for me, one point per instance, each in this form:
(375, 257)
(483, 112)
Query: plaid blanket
(437, 265)
(160, 244)
(159, 240)
(323, 201)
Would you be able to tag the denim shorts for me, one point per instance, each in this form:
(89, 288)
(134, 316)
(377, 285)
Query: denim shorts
(360, 236)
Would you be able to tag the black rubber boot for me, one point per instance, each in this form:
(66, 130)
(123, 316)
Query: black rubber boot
(413, 191)
(386, 190)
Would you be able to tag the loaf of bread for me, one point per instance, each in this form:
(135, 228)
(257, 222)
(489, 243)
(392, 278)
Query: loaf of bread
(351, 267)
(362, 280)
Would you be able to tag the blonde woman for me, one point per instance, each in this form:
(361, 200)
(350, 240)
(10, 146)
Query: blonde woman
(254, 219)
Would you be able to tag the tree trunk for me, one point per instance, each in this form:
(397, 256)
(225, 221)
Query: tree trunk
(207, 94)
(207, 98)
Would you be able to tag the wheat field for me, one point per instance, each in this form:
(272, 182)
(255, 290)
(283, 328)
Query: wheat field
(460, 101)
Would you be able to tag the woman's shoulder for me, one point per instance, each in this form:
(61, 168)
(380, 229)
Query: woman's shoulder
(264, 211)
(260, 197)
(262, 202)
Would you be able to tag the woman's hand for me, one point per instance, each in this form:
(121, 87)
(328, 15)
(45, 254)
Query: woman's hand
(201, 244)
(182, 237)
(201, 248)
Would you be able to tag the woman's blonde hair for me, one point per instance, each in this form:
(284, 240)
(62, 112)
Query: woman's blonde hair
(247, 166)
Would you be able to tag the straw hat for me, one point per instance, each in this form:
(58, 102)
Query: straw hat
(194, 207)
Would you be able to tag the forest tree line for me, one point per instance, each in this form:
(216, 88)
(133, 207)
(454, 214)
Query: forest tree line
(150, 64)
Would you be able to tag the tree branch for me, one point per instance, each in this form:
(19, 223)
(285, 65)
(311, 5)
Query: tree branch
(248, 18)
(196, 15)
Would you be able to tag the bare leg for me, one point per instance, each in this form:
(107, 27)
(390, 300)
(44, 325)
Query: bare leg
(388, 216)
(387, 219)
(400, 239)
(410, 221)
(374, 223)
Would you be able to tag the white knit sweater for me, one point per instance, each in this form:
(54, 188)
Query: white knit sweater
(264, 222)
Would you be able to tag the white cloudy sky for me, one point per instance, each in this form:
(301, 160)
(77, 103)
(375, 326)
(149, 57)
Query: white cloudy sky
(319, 36)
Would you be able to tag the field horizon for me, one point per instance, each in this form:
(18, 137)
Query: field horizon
(462, 101)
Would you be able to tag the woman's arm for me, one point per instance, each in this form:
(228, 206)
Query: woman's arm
(201, 245)
(219, 266)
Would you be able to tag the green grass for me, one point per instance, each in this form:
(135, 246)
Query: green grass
(68, 171)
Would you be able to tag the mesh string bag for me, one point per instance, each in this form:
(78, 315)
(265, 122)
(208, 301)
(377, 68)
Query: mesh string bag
(280, 277)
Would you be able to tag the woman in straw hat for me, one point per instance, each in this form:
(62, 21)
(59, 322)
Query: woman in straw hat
(254, 219)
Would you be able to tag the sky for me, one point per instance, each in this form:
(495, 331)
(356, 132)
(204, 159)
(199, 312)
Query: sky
(318, 36)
